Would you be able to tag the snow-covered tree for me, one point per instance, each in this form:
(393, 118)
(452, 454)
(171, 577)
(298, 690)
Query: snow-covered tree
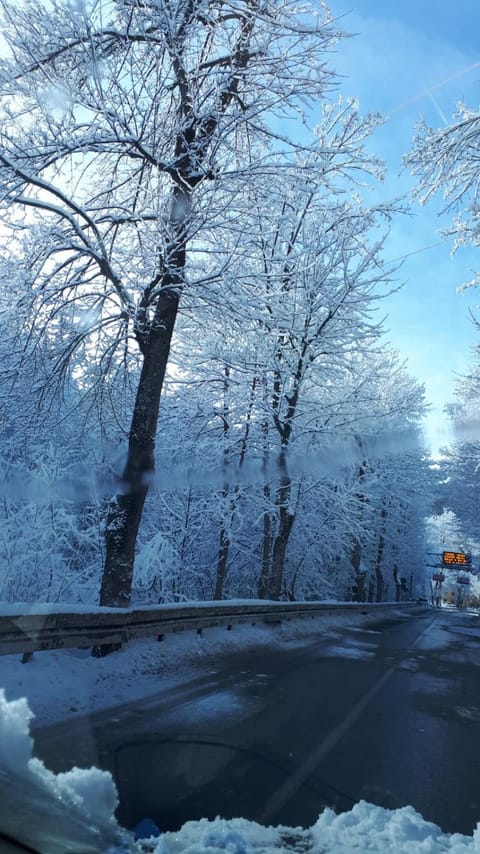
(127, 131)
(51, 513)
(158, 215)
(446, 161)
(458, 469)
(388, 480)
(346, 385)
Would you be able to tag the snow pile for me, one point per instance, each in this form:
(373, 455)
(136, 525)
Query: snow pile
(54, 813)
(366, 828)
(73, 813)
(371, 828)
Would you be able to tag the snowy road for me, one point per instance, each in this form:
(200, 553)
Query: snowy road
(389, 714)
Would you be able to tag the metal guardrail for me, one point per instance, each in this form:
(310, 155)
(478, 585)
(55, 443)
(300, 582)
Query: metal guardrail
(26, 633)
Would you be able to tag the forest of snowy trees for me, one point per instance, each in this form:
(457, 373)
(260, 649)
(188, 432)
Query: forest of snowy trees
(446, 163)
(197, 400)
(457, 471)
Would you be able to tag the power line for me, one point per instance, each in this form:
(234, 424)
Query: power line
(428, 92)
(415, 252)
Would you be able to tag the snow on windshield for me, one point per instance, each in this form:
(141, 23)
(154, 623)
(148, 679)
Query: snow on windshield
(73, 813)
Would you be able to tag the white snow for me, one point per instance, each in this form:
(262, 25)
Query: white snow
(220, 706)
(366, 828)
(45, 809)
(20, 609)
(61, 683)
(349, 652)
(74, 811)
(17, 609)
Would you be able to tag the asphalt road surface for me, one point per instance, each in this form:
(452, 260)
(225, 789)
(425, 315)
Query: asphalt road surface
(388, 713)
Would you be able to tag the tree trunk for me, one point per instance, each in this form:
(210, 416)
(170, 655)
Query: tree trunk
(379, 557)
(183, 546)
(285, 524)
(266, 548)
(398, 586)
(279, 552)
(356, 558)
(222, 563)
(126, 507)
(225, 538)
(361, 593)
(223, 550)
(378, 570)
(263, 581)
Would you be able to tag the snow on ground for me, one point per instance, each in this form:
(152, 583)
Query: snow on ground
(219, 706)
(74, 812)
(353, 651)
(366, 828)
(61, 683)
(17, 609)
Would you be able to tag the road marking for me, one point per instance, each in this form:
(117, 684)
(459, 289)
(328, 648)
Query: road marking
(297, 777)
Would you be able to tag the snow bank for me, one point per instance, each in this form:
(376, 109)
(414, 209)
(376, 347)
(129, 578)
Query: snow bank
(366, 828)
(19, 609)
(62, 683)
(54, 813)
(74, 812)
(374, 829)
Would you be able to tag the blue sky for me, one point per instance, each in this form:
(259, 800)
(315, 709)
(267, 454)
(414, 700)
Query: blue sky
(411, 58)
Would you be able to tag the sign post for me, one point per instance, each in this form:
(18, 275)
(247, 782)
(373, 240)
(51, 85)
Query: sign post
(449, 560)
